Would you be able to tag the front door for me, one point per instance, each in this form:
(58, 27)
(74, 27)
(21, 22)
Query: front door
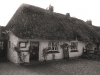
(34, 50)
(3, 49)
(66, 53)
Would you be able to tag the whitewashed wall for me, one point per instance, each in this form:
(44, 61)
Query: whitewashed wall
(26, 54)
(59, 55)
(11, 54)
(44, 44)
(80, 50)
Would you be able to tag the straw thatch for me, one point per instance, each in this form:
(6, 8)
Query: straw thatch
(36, 23)
(97, 28)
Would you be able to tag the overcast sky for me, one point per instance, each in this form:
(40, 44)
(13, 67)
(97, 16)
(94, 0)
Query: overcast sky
(82, 9)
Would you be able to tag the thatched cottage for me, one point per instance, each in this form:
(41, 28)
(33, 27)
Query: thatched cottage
(33, 31)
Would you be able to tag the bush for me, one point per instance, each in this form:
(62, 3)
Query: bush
(89, 55)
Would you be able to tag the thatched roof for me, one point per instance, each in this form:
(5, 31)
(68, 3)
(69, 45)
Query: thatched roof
(36, 23)
(97, 29)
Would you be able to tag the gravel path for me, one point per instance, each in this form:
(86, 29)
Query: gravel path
(64, 67)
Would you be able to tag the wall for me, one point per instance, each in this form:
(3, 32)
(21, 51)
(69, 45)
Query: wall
(42, 44)
(80, 50)
(25, 55)
(59, 55)
(11, 54)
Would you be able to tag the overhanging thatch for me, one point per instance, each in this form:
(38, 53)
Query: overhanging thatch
(37, 23)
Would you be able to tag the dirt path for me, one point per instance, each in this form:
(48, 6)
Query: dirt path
(69, 67)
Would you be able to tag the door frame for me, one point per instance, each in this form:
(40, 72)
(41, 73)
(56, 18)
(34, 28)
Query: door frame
(38, 50)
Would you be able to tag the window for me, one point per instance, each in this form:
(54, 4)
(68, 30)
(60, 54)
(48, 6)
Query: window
(1, 44)
(74, 46)
(22, 45)
(53, 46)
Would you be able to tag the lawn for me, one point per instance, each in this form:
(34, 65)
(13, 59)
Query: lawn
(62, 67)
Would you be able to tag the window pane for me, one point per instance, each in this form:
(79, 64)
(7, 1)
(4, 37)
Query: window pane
(55, 43)
(49, 48)
(55, 48)
(74, 45)
(52, 48)
(52, 43)
(49, 44)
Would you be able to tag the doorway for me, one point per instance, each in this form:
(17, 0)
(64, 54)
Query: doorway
(34, 50)
(3, 49)
(65, 50)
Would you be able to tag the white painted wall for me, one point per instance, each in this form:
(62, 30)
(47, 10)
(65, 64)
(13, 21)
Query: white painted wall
(44, 44)
(74, 54)
(25, 55)
(80, 50)
(11, 54)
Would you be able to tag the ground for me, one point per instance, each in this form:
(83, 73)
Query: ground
(61, 67)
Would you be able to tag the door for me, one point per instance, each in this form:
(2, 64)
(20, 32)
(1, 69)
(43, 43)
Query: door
(3, 49)
(66, 53)
(34, 50)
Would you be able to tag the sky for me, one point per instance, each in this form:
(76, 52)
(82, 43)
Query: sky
(81, 9)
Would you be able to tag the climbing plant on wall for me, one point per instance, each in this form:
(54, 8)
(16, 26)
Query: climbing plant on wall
(21, 56)
(45, 53)
(16, 48)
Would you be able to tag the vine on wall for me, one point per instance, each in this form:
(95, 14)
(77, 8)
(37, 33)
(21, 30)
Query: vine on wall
(45, 53)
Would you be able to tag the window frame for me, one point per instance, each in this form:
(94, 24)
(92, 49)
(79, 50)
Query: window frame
(73, 48)
(53, 45)
(22, 42)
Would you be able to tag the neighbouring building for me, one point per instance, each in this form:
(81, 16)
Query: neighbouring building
(3, 43)
(32, 29)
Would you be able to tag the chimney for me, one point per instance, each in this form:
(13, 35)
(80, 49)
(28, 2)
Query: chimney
(50, 8)
(68, 14)
(89, 22)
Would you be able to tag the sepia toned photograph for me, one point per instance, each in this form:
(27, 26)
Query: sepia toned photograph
(50, 37)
